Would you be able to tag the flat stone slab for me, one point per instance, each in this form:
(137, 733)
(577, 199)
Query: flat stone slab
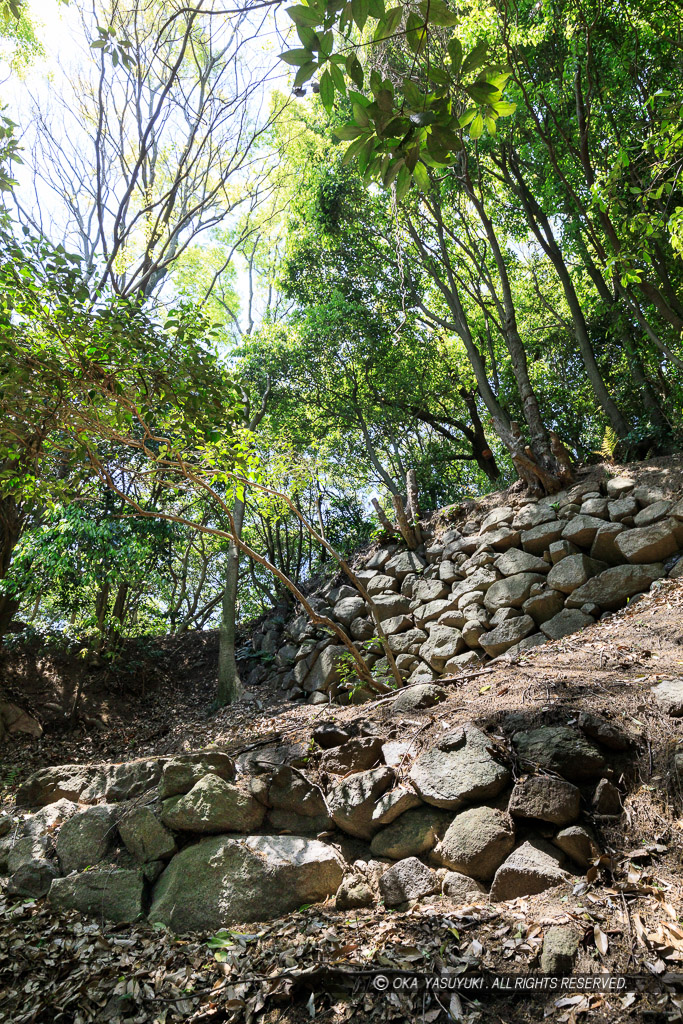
(560, 749)
(459, 767)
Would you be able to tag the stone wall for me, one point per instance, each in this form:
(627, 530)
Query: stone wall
(525, 573)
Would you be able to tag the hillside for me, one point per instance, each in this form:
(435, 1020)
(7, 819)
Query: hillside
(559, 762)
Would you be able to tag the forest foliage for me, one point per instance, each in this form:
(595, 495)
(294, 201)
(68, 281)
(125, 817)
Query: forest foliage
(244, 295)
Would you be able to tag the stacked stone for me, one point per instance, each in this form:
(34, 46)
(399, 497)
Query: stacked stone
(518, 578)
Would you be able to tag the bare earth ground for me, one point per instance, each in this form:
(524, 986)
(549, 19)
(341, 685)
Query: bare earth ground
(320, 964)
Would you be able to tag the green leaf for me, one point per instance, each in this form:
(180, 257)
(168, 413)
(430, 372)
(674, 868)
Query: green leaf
(416, 33)
(305, 73)
(348, 132)
(467, 117)
(388, 25)
(297, 57)
(477, 127)
(308, 37)
(475, 58)
(437, 13)
(360, 10)
(377, 8)
(327, 90)
(392, 170)
(402, 183)
(482, 92)
(421, 177)
(360, 115)
(354, 70)
(338, 78)
(503, 108)
(366, 153)
(304, 15)
(455, 53)
(353, 149)
(422, 118)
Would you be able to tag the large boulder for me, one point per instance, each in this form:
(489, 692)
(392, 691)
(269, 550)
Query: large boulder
(581, 530)
(123, 781)
(532, 868)
(613, 587)
(87, 838)
(144, 836)
(297, 804)
(220, 881)
(516, 561)
(506, 635)
(425, 695)
(47, 785)
(546, 799)
(409, 879)
(392, 804)
(569, 620)
(181, 773)
(539, 538)
(573, 572)
(604, 547)
(348, 609)
(33, 878)
(651, 543)
(352, 802)
(461, 888)
(512, 591)
(443, 644)
(429, 590)
(356, 755)
(388, 606)
(325, 671)
(213, 805)
(403, 564)
(115, 895)
(408, 642)
(544, 605)
(477, 841)
(669, 695)
(561, 749)
(459, 767)
(413, 833)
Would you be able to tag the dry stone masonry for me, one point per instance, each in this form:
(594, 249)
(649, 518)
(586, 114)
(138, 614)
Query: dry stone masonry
(202, 841)
(524, 574)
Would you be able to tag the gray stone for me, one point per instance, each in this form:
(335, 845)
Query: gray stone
(348, 609)
(569, 620)
(5, 823)
(546, 799)
(397, 624)
(406, 880)
(47, 819)
(461, 662)
(394, 803)
(619, 485)
(352, 801)
(480, 581)
(221, 881)
(87, 838)
(379, 558)
(560, 946)
(503, 615)
(477, 842)
(512, 591)
(613, 587)
(458, 768)
(676, 571)
(426, 695)
(532, 868)
(407, 643)
(181, 773)
(533, 515)
(388, 606)
(646, 495)
(581, 530)
(596, 507)
(604, 547)
(297, 803)
(623, 510)
(669, 695)
(413, 833)
(356, 755)
(115, 895)
(33, 878)
(26, 849)
(461, 888)
(353, 893)
(448, 572)
(329, 734)
(605, 732)
(380, 584)
(425, 591)
(560, 749)
(539, 538)
(326, 671)
(144, 836)
(443, 644)
(607, 799)
(50, 784)
(561, 549)
(471, 632)
(502, 539)
(509, 633)
(431, 612)
(652, 513)
(498, 517)
(213, 805)
(578, 844)
(573, 572)
(544, 605)
(403, 564)
(650, 543)
(362, 629)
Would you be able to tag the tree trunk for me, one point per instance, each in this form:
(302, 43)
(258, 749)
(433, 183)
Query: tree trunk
(229, 686)
(10, 532)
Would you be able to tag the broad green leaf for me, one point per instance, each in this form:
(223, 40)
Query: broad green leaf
(475, 58)
(416, 33)
(503, 108)
(297, 57)
(467, 117)
(305, 73)
(308, 36)
(490, 123)
(348, 131)
(338, 78)
(455, 53)
(477, 127)
(421, 177)
(306, 15)
(353, 149)
(402, 183)
(388, 25)
(366, 153)
(354, 70)
(377, 8)
(385, 100)
(422, 118)
(392, 170)
(482, 92)
(360, 115)
(437, 13)
(327, 90)
(360, 10)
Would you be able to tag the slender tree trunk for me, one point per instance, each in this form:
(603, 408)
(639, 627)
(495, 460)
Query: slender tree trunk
(229, 685)
(10, 532)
